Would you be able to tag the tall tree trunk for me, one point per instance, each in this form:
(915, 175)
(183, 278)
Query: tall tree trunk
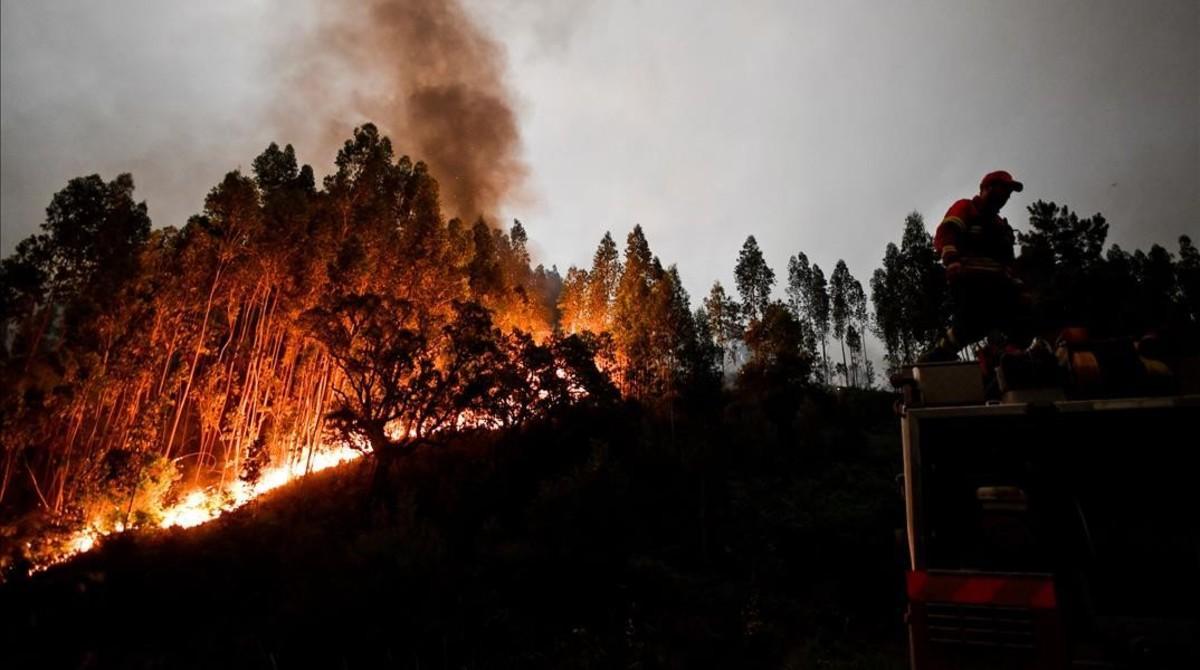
(825, 359)
(187, 388)
(845, 368)
(36, 489)
(9, 457)
(864, 352)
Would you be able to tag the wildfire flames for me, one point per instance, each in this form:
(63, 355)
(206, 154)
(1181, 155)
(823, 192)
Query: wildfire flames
(203, 505)
(291, 315)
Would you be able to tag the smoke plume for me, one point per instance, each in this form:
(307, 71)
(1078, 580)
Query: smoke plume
(423, 72)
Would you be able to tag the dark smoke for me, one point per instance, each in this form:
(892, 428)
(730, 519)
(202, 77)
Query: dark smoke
(427, 75)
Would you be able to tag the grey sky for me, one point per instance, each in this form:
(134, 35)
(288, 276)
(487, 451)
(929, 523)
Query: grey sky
(814, 126)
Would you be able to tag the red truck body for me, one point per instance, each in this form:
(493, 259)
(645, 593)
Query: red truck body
(1055, 534)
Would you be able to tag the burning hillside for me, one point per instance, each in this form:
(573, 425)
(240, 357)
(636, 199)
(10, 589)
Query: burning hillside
(200, 506)
(160, 377)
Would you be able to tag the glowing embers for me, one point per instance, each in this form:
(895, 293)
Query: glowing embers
(196, 508)
(396, 431)
(203, 505)
(83, 541)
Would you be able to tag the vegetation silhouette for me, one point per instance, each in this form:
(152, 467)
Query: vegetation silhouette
(577, 469)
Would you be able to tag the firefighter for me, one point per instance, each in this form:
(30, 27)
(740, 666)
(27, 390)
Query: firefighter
(976, 247)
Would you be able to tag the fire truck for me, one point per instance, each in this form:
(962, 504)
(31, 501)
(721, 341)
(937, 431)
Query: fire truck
(1050, 526)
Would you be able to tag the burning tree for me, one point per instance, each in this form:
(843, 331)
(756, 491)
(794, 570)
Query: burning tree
(403, 384)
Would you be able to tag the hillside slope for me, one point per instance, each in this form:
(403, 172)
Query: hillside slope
(603, 539)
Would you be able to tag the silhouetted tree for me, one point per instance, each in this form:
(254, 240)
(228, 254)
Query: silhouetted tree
(886, 295)
(754, 279)
(725, 322)
(777, 371)
(909, 294)
(841, 309)
(857, 302)
(1188, 271)
(819, 310)
(800, 298)
(1059, 256)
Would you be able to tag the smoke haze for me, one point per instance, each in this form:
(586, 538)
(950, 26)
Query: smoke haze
(423, 72)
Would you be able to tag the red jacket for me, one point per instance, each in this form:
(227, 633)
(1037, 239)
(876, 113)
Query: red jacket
(980, 243)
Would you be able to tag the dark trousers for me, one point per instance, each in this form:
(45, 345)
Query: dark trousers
(983, 304)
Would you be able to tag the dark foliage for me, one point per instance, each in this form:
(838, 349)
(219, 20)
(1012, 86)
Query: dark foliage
(594, 538)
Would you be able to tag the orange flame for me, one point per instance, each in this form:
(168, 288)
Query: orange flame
(203, 505)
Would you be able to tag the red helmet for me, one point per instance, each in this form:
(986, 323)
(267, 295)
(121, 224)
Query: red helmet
(1001, 178)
